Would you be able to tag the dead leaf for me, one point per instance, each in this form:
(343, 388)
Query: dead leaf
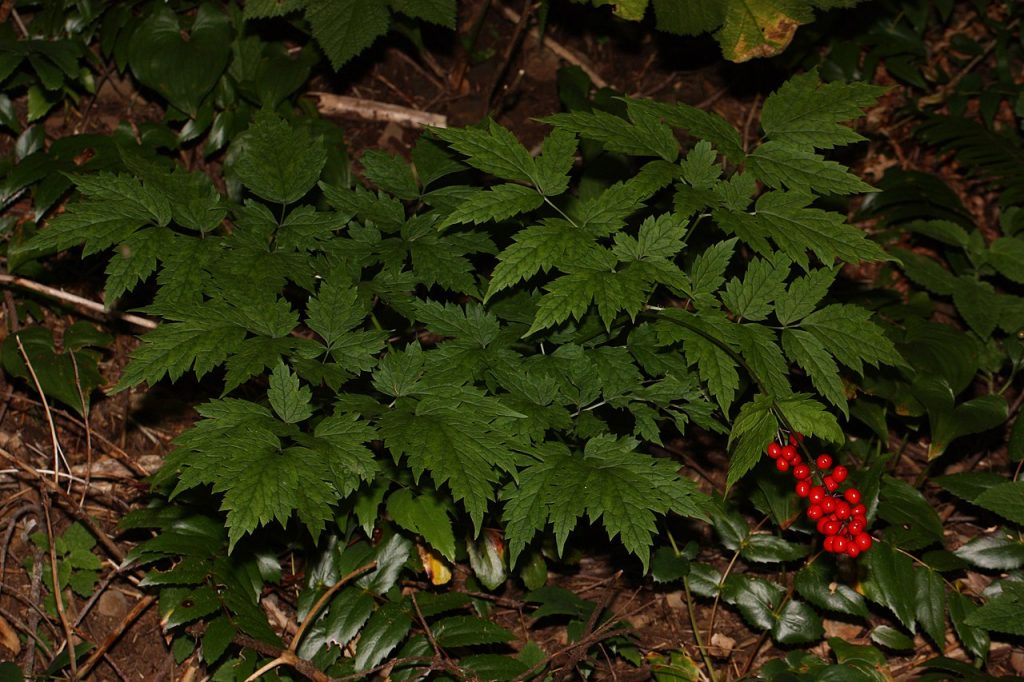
(8, 637)
(722, 645)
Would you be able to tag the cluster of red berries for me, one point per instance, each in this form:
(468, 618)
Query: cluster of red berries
(841, 518)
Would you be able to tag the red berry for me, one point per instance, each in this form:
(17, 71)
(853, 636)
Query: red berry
(795, 438)
(789, 453)
(840, 473)
(822, 524)
(863, 541)
(803, 488)
(852, 495)
(801, 471)
(831, 484)
(842, 510)
(828, 505)
(814, 512)
(781, 464)
(829, 543)
(854, 527)
(774, 450)
(840, 544)
(823, 462)
(817, 494)
(859, 510)
(831, 527)
(853, 551)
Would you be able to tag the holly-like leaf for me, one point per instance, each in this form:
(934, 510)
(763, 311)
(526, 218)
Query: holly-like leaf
(1005, 499)
(385, 630)
(1000, 551)
(891, 582)
(1003, 612)
(930, 599)
(797, 623)
(816, 586)
(914, 524)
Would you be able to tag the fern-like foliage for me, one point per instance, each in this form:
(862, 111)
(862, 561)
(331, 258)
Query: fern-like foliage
(499, 354)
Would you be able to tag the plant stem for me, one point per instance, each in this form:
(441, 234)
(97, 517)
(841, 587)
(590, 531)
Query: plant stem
(696, 631)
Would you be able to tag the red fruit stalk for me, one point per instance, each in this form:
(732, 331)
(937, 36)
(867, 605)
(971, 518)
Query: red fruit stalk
(839, 515)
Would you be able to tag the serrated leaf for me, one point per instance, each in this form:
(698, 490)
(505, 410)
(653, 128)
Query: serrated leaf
(764, 358)
(975, 640)
(277, 162)
(494, 204)
(344, 28)
(807, 352)
(571, 295)
(558, 154)
(914, 524)
(803, 295)
(1005, 499)
(641, 135)
(440, 12)
(755, 427)
(977, 303)
(289, 398)
(806, 111)
(704, 125)
(456, 631)
(930, 598)
(1003, 612)
(785, 165)
(815, 585)
(708, 270)
(134, 260)
(492, 149)
(797, 623)
(1006, 254)
(890, 582)
(848, 333)
(1000, 551)
(425, 515)
(756, 599)
(611, 482)
(892, 638)
(764, 548)
(751, 298)
(390, 173)
(387, 627)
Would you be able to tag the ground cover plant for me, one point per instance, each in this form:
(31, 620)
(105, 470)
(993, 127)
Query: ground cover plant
(765, 403)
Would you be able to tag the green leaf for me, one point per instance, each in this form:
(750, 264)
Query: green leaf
(786, 218)
(815, 584)
(975, 640)
(494, 667)
(926, 272)
(797, 623)
(977, 302)
(181, 63)
(764, 358)
(703, 125)
(348, 612)
(810, 418)
(969, 485)
(345, 28)
(758, 28)
(558, 154)
(440, 12)
(492, 149)
(1003, 612)
(134, 260)
(756, 599)
(805, 111)
(948, 422)
(785, 165)
(1006, 254)
(277, 162)
(930, 598)
(494, 204)
(914, 524)
(611, 482)
(218, 635)
(641, 135)
(425, 515)
(571, 295)
(806, 351)
(387, 627)
(390, 173)
(457, 631)
(764, 548)
(848, 333)
(751, 298)
(708, 270)
(755, 427)
(891, 638)
(288, 397)
(1005, 499)
(667, 566)
(891, 583)
(1000, 551)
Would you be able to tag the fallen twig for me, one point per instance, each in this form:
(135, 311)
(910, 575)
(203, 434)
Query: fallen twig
(559, 49)
(61, 295)
(133, 615)
(372, 110)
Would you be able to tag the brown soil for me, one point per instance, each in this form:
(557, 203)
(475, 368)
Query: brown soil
(516, 89)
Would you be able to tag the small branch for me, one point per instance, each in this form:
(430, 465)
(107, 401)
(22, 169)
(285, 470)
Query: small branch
(324, 598)
(560, 50)
(371, 110)
(133, 615)
(61, 295)
(58, 597)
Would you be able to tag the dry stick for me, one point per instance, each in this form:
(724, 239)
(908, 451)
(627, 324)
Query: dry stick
(88, 430)
(108, 544)
(126, 622)
(510, 51)
(371, 110)
(288, 656)
(29, 632)
(57, 452)
(58, 597)
(61, 295)
(559, 49)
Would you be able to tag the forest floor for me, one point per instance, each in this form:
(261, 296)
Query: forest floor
(517, 82)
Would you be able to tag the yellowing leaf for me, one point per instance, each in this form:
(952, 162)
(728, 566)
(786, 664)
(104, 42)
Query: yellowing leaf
(759, 28)
(436, 567)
